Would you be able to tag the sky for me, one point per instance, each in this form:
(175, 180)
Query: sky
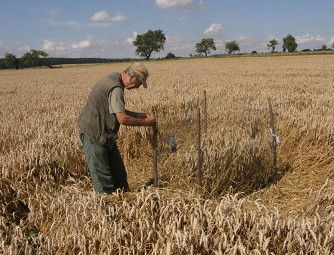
(107, 28)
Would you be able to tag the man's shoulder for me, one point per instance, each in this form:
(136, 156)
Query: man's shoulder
(115, 76)
(110, 80)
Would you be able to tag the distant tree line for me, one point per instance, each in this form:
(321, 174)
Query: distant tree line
(146, 44)
(39, 58)
(56, 62)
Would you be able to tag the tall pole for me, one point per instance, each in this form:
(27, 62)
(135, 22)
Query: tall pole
(155, 150)
(205, 124)
(155, 155)
(199, 150)
(273, 132)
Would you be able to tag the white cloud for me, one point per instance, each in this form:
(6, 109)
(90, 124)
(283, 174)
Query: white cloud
(89, 47)
(48, 45)
(83, 44)
(119, 18)
(331, 41)
(214, 29)
(167, 4)
(307, 38)
(103, 17)
(179, 4)
(130, 40)
(53, 46)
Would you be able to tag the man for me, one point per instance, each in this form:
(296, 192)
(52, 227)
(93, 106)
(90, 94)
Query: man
(99, 123)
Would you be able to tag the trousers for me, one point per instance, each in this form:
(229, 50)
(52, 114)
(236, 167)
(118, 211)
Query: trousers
(105, 165)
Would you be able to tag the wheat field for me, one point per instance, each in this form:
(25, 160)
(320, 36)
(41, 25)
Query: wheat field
(247, 203)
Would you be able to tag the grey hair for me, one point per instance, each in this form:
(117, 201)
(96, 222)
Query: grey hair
(131, 72)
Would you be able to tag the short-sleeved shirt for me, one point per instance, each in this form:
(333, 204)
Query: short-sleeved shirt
(116, 100)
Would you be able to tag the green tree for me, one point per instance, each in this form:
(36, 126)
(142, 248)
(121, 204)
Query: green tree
(205, 46)
(151, 41)
(170, 55)
(12, 60)
(232, 47)
(33, 56)
(324, 47)
(272, 44)
(333, 45)
(289, 44)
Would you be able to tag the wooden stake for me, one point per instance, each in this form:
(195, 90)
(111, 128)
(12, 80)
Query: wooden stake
(155, 150)
(199, 171)
(155, 155)
(205, 113)
(272, 126)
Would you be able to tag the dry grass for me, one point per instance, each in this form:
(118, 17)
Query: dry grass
(47, 203)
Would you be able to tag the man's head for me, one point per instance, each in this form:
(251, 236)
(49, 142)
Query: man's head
(140, 72)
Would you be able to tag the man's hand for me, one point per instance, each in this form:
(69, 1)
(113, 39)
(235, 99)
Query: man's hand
(150, 120)
(143, 116)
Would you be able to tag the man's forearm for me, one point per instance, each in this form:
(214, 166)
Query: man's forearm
(132, 114)
(126, 119)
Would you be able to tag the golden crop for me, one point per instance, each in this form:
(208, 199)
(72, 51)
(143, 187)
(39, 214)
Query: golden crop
(47, 204)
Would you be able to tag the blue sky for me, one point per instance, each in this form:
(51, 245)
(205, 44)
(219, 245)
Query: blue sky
(107, 28)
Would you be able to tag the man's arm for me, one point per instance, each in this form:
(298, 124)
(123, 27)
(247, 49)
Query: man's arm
(126, 118)
(138, 115)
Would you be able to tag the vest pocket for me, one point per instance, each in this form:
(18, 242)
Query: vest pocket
(91, 118)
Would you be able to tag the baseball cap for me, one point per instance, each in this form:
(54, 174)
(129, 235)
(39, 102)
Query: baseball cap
(141, 70)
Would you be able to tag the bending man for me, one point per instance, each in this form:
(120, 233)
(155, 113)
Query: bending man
(99, 123)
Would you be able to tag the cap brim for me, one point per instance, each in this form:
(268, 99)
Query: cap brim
(144, 83)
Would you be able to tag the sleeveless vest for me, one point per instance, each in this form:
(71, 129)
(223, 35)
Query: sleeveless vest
(95, 119)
